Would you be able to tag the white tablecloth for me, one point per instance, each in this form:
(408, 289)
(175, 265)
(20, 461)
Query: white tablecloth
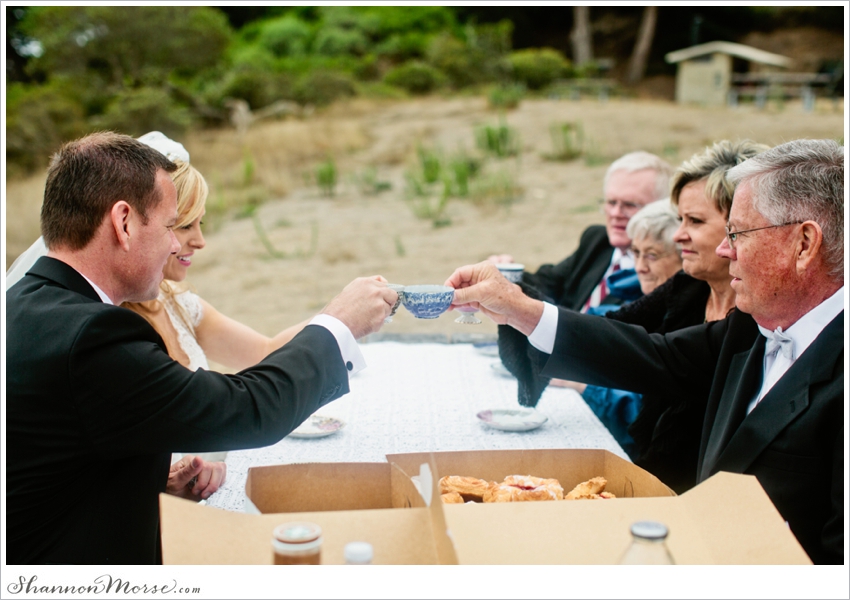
(419, 397)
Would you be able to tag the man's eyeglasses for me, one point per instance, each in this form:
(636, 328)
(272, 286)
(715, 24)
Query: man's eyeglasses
(628, 208)
(732, 236)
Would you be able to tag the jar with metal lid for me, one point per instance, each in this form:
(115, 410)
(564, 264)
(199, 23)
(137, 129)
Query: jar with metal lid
(297, 543)
(648, 545)
(358, 553)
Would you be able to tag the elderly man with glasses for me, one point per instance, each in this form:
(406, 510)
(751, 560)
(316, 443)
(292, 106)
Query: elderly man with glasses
(579, 281)
(770, 377)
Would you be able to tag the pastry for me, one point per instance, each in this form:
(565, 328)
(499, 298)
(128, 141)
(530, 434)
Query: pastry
(451, 498)
(524, 488)
(592, 489)
(470, 488)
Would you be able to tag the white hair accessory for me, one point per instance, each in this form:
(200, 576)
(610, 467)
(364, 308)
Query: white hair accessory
(171, 149)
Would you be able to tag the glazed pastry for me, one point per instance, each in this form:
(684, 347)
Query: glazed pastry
(470, 488)
(590, 489)
(451, 498)
(524, 488)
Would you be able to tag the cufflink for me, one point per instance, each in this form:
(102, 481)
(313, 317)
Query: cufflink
(349, 366)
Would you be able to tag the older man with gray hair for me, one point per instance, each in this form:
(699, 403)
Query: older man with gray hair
(770, 377)
(579, 281)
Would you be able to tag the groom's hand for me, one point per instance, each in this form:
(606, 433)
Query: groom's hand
(363, 305)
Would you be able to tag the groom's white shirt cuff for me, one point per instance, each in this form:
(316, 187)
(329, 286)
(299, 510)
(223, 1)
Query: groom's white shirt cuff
(351, 355)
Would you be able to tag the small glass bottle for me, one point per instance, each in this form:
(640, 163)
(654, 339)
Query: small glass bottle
(358, 553)
(648, 545)
(297, 543)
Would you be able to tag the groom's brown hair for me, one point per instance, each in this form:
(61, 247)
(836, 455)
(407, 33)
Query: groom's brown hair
(86, 177)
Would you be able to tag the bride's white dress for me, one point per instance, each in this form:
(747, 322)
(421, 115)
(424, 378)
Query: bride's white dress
(194, 311)
(190, 302)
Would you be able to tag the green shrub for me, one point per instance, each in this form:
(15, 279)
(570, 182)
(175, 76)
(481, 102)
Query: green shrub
(538, 67)
(38, 120)
(501, 141)
(257, 87)
(478, 58)
(415, 77)
(326, 176)
(323, 87)
(495, 190)
(253, 57)
(400, 47)
(138, 111)
(506, 96)
(367, 68)
(333, 41)
(455, 59)
(285, 36)
(567, 141)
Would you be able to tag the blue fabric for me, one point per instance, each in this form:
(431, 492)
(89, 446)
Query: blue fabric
(602, 309)
(624, 284)
(617, 409)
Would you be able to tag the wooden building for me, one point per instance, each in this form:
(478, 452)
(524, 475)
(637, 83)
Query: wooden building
(707, 74)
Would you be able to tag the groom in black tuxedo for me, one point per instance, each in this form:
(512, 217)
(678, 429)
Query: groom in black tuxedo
(770, 377)
(94, 404)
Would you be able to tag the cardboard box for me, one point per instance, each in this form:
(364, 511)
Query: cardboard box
(349, 501)
(725, 520)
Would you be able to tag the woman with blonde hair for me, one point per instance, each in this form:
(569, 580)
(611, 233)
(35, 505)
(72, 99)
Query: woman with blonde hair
(193, 330)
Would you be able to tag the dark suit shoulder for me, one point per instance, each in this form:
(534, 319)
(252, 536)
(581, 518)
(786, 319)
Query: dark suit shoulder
(570, 282)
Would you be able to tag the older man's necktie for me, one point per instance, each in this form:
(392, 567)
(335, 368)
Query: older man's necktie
(601, 290)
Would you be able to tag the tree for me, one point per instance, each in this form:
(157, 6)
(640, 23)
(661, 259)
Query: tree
(580, 36)
(126, 46)
(637, 64)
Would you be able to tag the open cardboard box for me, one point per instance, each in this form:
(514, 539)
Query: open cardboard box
(349, 501)
(727, 519)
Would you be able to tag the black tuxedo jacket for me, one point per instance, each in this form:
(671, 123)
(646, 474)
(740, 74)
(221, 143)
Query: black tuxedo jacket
(95, 407)
(792, 441)
(570, 282)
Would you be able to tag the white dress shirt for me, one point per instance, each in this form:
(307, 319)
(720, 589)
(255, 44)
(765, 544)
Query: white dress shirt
(803, 332)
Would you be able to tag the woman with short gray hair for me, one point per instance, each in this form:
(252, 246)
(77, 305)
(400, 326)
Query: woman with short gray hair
(657, 258)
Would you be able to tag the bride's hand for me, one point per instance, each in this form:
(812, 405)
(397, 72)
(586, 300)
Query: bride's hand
(193, 478)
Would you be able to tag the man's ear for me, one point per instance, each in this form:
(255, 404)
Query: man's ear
(119, 217)
(809, 243)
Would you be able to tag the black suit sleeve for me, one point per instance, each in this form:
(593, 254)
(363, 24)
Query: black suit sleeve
(611, 354)
(135, 399)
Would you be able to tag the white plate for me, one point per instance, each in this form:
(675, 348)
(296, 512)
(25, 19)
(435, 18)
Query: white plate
(512, 419)
(317, 426)
(500, 369)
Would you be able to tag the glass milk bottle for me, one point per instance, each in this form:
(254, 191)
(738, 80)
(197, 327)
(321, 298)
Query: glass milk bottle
(358, 553)
(649, 546)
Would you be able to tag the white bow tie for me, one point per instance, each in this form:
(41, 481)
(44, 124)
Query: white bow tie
(779, 341)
